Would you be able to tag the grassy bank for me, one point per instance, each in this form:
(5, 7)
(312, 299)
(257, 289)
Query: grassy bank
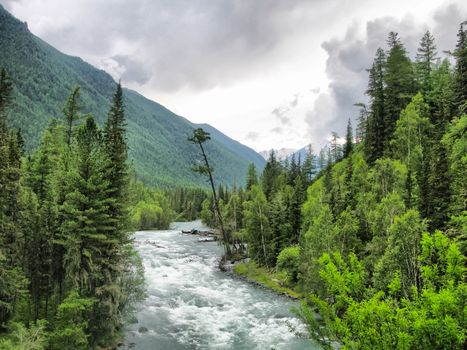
(266, 278)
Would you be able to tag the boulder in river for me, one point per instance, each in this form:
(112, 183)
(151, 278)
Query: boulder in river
(143, 330)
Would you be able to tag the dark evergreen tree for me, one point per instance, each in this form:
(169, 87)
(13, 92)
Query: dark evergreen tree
(11, 235)
(439, 187)
(113, 253)
(252, 177)
(71, 110)
(360, 132)
(399, 85)
(348, 146)
(6, 88)
(270, 174)
(375, 127)
(425, 60)
(293, 170)
(336, 148)
(461, 69)
(309, 167)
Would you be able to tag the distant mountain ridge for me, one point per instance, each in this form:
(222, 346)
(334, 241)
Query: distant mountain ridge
(43, 77)
(281, 154)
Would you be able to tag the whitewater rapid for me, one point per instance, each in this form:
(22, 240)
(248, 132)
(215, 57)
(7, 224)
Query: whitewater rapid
(190, 304)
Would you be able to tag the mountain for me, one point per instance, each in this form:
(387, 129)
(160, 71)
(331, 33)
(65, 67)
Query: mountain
(281, 154)
(43, 77)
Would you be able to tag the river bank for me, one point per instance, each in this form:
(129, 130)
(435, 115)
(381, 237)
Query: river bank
(251, 272)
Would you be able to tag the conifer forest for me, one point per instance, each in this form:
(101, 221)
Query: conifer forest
(366, 237)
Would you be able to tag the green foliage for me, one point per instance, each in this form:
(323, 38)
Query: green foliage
(288, 261)
(401, 253)
(71, 323)
(65, 254)
(186, 202)
(22, 338)
(375, 278)
(257, 224)
(257, 274)
(455, 140)
(150, 209)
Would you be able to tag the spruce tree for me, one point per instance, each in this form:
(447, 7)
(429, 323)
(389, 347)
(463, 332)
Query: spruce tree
(270, 174)
(87, 221)
(6, 88)
(461, 69)
(425, 60)
(374, 135)
(360, 132)
(309, 166)
(252, 177)
(399, 85)
(12, 283)
(336, 150)
(115, 146)
(348, 147)
(114, 253)
(71, 110)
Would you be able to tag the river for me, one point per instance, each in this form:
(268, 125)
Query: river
(190, 304)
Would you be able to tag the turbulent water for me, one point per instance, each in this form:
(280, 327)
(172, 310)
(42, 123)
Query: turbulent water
(190, 304)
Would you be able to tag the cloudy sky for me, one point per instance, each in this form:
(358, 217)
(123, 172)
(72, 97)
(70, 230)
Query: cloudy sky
(269, 73)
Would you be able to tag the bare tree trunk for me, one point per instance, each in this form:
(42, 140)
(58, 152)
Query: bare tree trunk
(225, 235)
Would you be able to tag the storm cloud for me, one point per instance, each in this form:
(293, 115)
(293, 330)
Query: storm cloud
(174, 44)
(271, 73)
(350, 56)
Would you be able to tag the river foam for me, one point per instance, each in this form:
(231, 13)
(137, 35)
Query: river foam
(190, 304)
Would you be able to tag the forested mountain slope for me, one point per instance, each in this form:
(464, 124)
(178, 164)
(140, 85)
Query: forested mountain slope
(43, 77)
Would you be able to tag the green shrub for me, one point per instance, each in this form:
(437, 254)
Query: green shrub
(288, 261)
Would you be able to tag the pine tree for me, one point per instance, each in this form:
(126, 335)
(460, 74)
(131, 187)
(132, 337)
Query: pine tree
(443, 108)
(360, 132)
(425, 60)
(114, 253)
(293, 170)
(6, 88)
(43, 261)
(87, 222)
(309, 166)
(71, 110)
(115, 146)
(270, 174)
(442, 98)
(321, 160)
(348, 147)
(461, 69)
(336, 150)
(12, 283)
(374, 135)
(399, 84)
(252, 177)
